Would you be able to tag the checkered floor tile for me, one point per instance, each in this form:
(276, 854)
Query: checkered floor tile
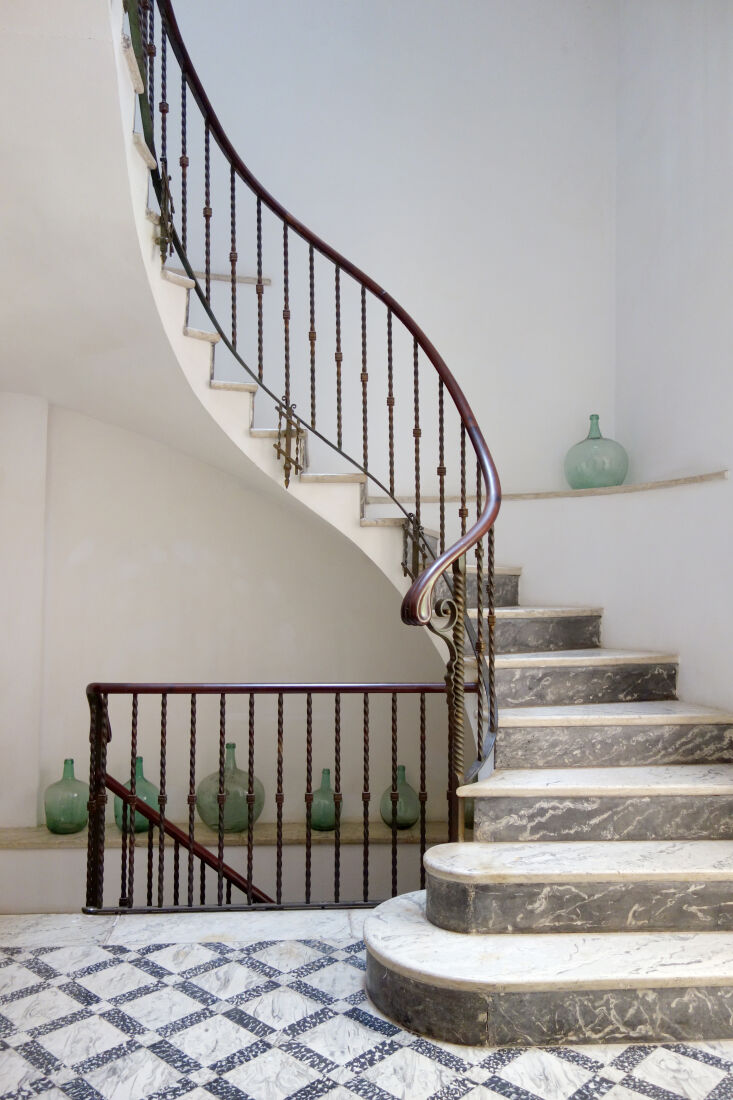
(275, 1019)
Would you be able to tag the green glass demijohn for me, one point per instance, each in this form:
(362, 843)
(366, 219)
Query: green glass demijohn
(408, 804)
(236, 787)
(323, 806)
(65, 802)
(595, 462)
(146, 791)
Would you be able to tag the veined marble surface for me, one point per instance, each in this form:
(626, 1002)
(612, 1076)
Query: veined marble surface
(593, 657)
(527, 612)
(398, 935)
(661, 711)
(583, 861)
(674, 779)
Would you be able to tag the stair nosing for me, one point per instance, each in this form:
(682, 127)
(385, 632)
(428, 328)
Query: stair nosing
(234, 387)
(657, 781)
(568, 658)
(542, 612)
(603, 714)
(201, 334)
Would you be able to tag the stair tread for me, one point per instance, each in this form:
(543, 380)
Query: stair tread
(236, 387)
(177, 278)
(269, 433)
(328, 479)
(201, 334)
(564, 612)
(655, 780)
(399, 936)
(582, 861)
(660, 712)
(580, 657)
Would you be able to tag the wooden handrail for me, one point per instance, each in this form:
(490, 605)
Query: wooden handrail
(417, 603)
(381, 688)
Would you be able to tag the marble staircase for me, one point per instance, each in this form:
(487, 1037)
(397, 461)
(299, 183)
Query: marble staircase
(595, 901)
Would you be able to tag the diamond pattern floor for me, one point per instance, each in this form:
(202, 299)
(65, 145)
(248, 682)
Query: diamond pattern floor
(135, 1011)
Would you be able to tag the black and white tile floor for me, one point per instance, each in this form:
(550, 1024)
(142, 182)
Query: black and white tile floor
(268, 1006)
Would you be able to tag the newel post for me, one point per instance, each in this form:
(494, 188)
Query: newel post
(99, 734)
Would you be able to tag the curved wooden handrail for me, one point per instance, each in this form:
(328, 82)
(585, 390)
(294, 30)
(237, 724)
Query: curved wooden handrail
(417, 603)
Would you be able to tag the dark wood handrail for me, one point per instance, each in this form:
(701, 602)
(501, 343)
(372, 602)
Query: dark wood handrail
(417, 603)
(381, 688)
(183, 839)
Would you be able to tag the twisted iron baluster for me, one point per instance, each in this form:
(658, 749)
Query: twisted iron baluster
(423, 795)
(184, 162)
(441, 471)
(286, 314)
(133, 781)
(364, 380)
(233, 251)
(279, 799)
(479, 550)
(176, 872)
(463, 510)
(150, 47)
(416, 432)
(221, 798)
(339, 359)
(260, 292)
(207, 214)
(390, 402)
(149, 893)
(365, 797)
(394, 794)
(308, 791)
(250, 797)
(491, 623)
(312, 334)
(337, 797)
(163, 105)
(191, 795)
(162, 797)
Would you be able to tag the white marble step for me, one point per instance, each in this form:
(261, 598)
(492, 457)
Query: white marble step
(520, 613)
(337, 479)
(399, 937)
(234, 387)
(582, 861)
(568, 658)
(661, 712)
(201, 334)
(674, 779)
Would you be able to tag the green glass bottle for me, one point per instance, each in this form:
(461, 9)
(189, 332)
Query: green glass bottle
(408, 804)
(323, 807)
(236, 787)
(595, 462)
(146, 791)
(65, 802)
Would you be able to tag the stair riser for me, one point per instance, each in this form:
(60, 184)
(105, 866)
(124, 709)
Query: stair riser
(506, 590)
(611, 746)
(637, 817)
(521, 687)
(546, 633)
(580, 907)
(546, 1017)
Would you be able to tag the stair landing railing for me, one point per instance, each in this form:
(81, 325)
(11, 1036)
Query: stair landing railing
(211, 202)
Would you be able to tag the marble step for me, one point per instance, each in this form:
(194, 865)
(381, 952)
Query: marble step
(605, 734)
(677, 802)
(573, 676)
(532, 629)
(543, 989)
(506, 586)
(582, 886)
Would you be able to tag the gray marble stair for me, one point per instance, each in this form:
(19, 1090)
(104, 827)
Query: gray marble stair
(581, 676)
(607, 734)
(547, 988)
(506, 586)
(585, 886)
(531, 629)
(683, 801)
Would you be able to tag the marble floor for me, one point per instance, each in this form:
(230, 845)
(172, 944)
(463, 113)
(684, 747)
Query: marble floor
(268, 1006)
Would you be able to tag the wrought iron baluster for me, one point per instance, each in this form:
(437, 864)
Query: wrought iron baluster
(312, 334)
(308, 791)
(233, 251)
(491, 626)
(286, 313)
(250, 797)
(416, 432)
(260, 292)
(279, 799)
(337, 797)
(150, 47)
(394, 794)
(365, 798)
(131, 816)
(207, 214)
(221, 798)
(339, 357)
(423, 795)
(162, 797)
(202, 883)
(176, 872)
(441, 471)
(163, 105)
(191, 794)
(184, 162)
(463, 510)
(149, 892)
(479, 552)
(229, 892)
(364, 380)
(390, 402)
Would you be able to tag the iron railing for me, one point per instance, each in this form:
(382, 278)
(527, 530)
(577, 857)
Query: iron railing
(373, 344)
(171, 864)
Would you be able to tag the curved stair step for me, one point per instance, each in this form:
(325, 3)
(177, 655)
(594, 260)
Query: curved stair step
(550, 988)
(607, 734)
(685, 801)
(585, 886)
